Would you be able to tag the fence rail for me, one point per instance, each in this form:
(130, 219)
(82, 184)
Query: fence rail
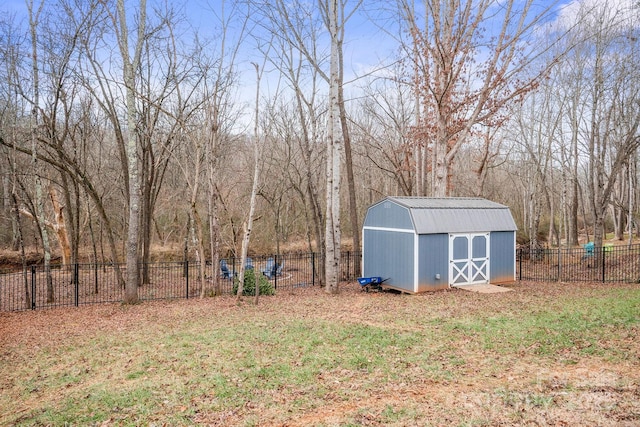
(82, 284)
(606, 264)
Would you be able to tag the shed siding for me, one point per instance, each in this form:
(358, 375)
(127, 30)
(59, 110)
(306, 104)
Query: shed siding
(406, 240)
(388, 215)
(433, 260)
(503, 257)
(389, 255)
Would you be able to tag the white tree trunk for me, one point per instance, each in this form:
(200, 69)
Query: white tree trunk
(334, 157)
(197, 227)
(248, 225)
(129, 69)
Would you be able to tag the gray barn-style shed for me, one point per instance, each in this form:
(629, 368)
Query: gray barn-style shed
(422, 244)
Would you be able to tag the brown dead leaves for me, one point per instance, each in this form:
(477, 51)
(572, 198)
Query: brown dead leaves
(492, 389)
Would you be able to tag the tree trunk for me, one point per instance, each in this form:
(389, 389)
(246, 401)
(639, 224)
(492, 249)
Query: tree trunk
(440, 178)
(334, 158)
(130, 65)
(145, 218)
(196, 221)
(23, 257)
(197, 236)
(310, 194)
(632, 186)
(60, 227)
(131, 288)
(214, 231)
(94, 247)
(553, 231)
(39, 202)
(351, 185)
(8, 208)
(598, 237)
(573, 214)
(248, 224)
(212, 162)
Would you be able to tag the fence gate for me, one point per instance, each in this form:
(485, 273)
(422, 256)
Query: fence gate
(468, 259)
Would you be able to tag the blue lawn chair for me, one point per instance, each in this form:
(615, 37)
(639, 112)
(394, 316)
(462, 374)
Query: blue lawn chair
(272, 268)
(224, 269)
(269, 268)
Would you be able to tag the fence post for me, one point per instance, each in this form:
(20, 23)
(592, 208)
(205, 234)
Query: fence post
(603, 255)
(520, 262)
(275, 276)
(186, 270)
(95, 276)
(348, 273)
(313, 269)
(559, 264)
(33, 287)
(76, 281)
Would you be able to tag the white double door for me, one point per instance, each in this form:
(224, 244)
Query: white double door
(468, 259)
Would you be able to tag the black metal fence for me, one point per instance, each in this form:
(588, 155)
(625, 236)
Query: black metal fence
(606, 264)
(82, 284)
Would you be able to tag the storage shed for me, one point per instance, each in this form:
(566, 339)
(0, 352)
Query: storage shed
(420, 244)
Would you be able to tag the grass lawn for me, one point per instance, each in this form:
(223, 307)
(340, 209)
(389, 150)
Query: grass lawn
(545, 354)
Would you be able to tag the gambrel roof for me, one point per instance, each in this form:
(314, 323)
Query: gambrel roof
(433, 215)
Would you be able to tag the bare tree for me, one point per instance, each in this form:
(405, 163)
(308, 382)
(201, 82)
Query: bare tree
(220, 116)
(300, 59)
(463, 79)
(170, 84)
(537, 121)
(131, 63)
(248, 224)
(9, 54)
(582, 126)
(383, 124)
(570, 90)
(335, 147)
(296, 26)
(614, 104)
(342, 15)
(34, 17)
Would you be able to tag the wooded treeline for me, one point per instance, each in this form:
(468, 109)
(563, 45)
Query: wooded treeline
(124, 130)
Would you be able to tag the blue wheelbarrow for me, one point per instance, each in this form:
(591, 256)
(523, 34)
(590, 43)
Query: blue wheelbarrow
(371, 283)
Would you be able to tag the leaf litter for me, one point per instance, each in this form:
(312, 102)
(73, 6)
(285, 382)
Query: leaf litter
(42, 362)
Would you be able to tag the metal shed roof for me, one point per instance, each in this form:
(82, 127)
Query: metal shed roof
(431, 215)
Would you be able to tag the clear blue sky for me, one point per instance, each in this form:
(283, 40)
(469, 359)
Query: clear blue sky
(366, 44)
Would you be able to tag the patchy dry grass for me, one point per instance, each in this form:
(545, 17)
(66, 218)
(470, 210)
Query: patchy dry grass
(546, 354)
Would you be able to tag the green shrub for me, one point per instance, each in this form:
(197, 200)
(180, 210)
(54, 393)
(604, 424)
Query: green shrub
(266, 287)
